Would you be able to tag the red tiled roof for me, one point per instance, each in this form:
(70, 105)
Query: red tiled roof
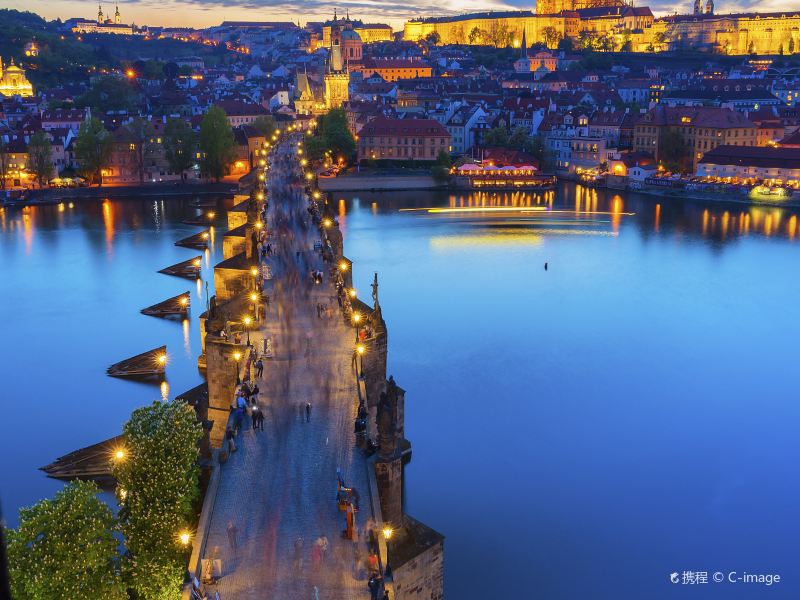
(381, 126)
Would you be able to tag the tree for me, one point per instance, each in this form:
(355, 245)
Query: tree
(565, 44)
(40, 157)
(93, 149)
(791, 45)
(3, 164)
(586, 39)
(673, 151)
(441, 168)
(265, 125)
(142, 145)
(751, 48)
(475, 35)
(109, 94)
(180, 146)
(518, 138)
(335, 134)
(433, 38)
(551, 36)
(216, 143)
(159, 476)
(496, 137)
(65, 548)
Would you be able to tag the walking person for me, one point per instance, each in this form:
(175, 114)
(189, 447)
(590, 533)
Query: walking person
(308, 412)
(232, 535)
(254, 412)
(259, 368)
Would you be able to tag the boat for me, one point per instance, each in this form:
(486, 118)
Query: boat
(765, 193)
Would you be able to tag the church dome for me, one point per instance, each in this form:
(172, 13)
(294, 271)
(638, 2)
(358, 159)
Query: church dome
(349, 34)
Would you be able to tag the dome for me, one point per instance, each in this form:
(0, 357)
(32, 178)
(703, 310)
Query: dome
(349, 34)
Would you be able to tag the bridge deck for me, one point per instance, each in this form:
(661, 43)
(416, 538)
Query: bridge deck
(281, 483)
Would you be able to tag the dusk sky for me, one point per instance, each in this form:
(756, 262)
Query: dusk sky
(203, 13)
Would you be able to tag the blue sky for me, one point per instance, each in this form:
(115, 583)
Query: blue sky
(202, 13)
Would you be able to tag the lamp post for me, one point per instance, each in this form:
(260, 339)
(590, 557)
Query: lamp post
(360, 349)
(356, 321)
(247, 320)
(237, 356)
(254, 300)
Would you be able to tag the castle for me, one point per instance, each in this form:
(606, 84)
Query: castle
(624, 26)
(13, 81)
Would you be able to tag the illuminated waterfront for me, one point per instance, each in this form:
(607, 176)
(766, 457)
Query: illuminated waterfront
(621, 416)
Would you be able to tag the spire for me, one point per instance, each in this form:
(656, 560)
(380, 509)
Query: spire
(524, 43)
(334, 13)
(710, 7)
(99, 13)
(347, 15)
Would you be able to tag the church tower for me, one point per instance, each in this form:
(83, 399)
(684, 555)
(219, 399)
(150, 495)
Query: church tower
(710, 7)
(99, 13)
(337, 80)
(698, 7)
(117, 17)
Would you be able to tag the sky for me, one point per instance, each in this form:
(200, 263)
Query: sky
(204, 13)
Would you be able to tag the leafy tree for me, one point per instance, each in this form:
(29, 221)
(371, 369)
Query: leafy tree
(551, 36)
(93, 146)
(333, 134)
(109, 94)
(627, 46)
(441, 168)
(216, 143)
(141, 132)
(180, 145)
(518, 138)
(751, 48)
(565, 44)
(159, 476)
(171, 70)
(586, 39)
(40, 157)
(476, 35)
(673, 151)
(791, 45)
(496, 137)
(265, 125)
(433, 38)
(65, 548)
(3, 164)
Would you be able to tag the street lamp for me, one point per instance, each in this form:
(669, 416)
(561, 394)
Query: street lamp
(353, 293)
(388, 531)
(343, 266)
(237, 356)
(360, 349)
(326, 223)
(254, 300)
(356, 321)
(185, 537)
(247, 320)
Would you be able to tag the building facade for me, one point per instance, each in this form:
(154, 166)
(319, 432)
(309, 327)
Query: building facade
(384, 138)
(13, 81)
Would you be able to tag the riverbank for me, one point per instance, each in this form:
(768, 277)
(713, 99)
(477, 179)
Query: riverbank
(57, 195)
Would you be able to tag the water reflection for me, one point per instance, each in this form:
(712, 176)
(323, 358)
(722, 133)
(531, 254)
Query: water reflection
(722, 222)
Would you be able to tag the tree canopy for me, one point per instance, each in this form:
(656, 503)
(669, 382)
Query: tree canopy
(65, 548)
(109, 94)
(180, 145)
(333, 135)
(216, 143)
(40, 157)
(93, 146)
(159, 476)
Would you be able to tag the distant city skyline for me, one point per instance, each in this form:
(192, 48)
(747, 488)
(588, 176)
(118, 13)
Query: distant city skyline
(205, 13)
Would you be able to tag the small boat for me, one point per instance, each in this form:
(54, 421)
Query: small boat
(177, 305)
(189, 269)
(765, 193)
(145, 365)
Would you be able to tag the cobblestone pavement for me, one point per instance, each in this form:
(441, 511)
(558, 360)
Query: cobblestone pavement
(280, 486)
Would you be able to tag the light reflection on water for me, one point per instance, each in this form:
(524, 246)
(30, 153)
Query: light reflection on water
(583, 432)
(74, 277)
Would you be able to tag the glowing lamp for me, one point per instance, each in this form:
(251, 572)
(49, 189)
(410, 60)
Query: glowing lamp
(237, 356)
(119, 454)
(185, 537)
(361, 349)
(387, 532)
(343, 266)
(356, 317)
(353, 293)
(162, 359)
(254, 271)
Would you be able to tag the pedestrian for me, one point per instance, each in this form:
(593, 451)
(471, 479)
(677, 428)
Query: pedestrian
(254, 412)
(316, 555)
(259, 368)
(323, 545)
(308, 412)
(545, 266)
(374, 587)
(232, 535)
(261, 420)
(298, 554)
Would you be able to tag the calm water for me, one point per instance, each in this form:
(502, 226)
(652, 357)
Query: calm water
(580, 432)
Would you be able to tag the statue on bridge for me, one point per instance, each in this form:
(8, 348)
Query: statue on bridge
(375, 291)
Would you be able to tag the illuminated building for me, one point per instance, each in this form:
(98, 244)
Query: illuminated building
(635, 26)
(337, 79)
(368, 33)
(13, 81)
(102, 25)
(384, 138)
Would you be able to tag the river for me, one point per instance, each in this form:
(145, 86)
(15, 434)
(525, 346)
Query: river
(579, 432)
